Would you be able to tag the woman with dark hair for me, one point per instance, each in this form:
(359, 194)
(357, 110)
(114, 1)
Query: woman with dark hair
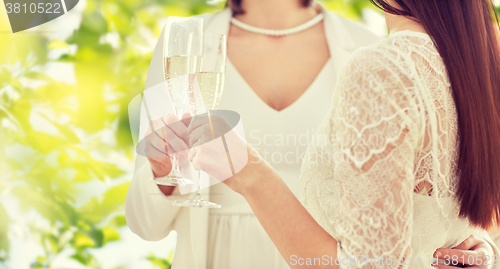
(408, 159)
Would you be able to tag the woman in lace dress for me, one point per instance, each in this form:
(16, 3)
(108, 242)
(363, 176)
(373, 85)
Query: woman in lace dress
(408, 159)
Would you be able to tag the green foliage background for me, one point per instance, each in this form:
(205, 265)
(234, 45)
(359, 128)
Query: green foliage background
(90, 140)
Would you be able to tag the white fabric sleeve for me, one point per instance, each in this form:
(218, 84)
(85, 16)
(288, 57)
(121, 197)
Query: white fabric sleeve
(496, 252)
(148, 211)
(375, 107)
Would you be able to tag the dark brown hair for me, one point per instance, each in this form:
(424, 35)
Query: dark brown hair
(467, 37)
(235, 5)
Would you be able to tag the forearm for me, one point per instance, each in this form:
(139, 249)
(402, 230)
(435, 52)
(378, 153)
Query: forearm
(291, 228)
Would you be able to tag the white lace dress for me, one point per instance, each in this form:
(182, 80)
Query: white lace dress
(380, 175)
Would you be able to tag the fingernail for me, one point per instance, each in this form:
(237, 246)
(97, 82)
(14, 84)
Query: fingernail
(438, 254)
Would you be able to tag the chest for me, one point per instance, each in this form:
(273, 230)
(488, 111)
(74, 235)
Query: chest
(278, 69)
(281, 137)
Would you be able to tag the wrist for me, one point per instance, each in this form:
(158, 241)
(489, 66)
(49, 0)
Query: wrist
(262, 174)
(252, 178)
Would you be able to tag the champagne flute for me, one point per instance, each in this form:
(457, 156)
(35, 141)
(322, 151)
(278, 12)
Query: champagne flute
(210, 79)
(182, 54)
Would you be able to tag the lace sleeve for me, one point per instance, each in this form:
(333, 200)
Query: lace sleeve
(378, 123)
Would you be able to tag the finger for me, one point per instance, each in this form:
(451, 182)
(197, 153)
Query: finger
(169, 118)
(157, 125)
(172, 140)
(442, 266)
(198, 134)
(177, 126)
(156, 142)
(186, 119)
(469, 257)
(219, 126)
(155, 148)
(197, 122)
(158, 138)
(192, 155)
(193, 152)
(469, 243)
(165, 141)
(201, 141)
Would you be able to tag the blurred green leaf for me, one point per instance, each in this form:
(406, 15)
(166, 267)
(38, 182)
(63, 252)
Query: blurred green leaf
(84, 241)
(159, 263)
(110, 235)
(4, 228)
(117, 222)
(85, 258)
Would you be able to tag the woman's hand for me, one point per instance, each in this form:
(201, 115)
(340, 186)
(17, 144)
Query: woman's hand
(473, 252)
(231, 163)
(170, 135)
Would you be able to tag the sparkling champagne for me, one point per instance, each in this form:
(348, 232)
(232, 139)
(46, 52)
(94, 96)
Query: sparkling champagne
(177, 70)
(176, 66)
(211, 87)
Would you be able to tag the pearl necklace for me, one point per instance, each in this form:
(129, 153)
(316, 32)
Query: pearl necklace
(283, 32)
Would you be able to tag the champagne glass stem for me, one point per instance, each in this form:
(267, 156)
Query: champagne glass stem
(211, 126)
(175, 165)
(223, 142)
(198, 184)
(196, 196)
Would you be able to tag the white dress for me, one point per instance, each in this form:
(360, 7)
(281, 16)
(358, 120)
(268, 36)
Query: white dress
(381, 178)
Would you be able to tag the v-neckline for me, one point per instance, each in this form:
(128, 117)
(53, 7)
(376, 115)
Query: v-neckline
(337, 39)
(295, 102)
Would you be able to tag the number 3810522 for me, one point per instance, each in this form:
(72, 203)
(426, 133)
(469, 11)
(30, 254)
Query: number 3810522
(33, 8)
